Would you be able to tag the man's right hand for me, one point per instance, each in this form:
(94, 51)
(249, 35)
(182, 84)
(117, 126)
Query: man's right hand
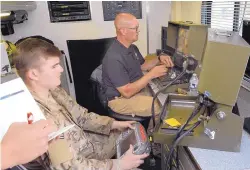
(158, 71)
(24, 142)
(130, 160)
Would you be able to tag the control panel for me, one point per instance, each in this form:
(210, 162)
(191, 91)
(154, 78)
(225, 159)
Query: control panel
(64, 11)
(136, 137)
(112, 8)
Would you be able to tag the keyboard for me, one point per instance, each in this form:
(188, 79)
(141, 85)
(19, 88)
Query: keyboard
(171, 75)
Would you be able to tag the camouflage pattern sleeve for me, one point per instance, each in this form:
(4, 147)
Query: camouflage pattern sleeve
(87, 120)
(86, 164)
(44, 163)
(58, 152)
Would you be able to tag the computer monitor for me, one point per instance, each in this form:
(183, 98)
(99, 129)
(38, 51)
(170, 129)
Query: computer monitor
(246, 37)
(247, 71)
(182, 39)
(186, 38)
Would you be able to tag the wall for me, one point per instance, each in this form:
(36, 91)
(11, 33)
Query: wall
(158, 15)
(186, 11)
(39, 24)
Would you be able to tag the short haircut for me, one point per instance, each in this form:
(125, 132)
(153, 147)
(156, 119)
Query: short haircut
(30, 51)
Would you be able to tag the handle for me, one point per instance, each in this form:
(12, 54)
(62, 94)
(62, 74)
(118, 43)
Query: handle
(228, 34)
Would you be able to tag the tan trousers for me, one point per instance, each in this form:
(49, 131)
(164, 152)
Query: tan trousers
(139, 104)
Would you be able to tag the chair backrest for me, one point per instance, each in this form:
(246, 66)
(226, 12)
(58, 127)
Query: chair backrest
(18, 167)
(85, 56)
(96, 78)
(97, 74)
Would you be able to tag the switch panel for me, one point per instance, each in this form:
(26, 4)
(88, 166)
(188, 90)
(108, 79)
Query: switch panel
(112, 8)
(65, 11)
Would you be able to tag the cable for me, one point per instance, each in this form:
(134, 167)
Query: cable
(178, 140)
(162, 89)
(177, 158)
(177, 148)
(191, 65)
(207, 107)
(193, 114)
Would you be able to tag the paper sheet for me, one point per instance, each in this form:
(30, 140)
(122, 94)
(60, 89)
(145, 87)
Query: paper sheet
(15, 102)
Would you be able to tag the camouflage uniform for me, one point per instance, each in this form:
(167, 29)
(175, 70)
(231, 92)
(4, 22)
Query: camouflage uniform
(90, 141)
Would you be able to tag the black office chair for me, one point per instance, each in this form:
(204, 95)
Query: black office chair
(96, 79)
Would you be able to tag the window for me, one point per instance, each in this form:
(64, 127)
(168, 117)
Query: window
(225, 15)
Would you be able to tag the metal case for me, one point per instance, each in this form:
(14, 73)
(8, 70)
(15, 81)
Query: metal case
(136, 137)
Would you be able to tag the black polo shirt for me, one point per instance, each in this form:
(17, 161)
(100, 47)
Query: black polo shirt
(120, 66)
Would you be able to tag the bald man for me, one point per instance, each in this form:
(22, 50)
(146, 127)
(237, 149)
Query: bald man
(122, 66)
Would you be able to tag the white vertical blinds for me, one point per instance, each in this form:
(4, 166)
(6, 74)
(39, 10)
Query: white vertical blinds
(225, 15)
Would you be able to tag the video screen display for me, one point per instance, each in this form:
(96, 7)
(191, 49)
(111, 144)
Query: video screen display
(130, 140)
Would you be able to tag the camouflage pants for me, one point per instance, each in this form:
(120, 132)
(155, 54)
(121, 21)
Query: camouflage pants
(139, 104)
(104, 146)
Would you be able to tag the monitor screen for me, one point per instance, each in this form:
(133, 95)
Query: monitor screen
(130, 140)
(246, 37)
(247, 72)
(172, 33)
(177, 38)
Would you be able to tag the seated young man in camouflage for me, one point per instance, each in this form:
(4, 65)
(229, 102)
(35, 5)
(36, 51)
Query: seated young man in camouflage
(91, 142)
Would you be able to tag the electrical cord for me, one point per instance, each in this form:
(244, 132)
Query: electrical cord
(164, 106)
(188, 69)
(177, 149)
(178, 140)
(164, 110)
(162, 89)
(193, 114)
(177, 158)
(178, 137)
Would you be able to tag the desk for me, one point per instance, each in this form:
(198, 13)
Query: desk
(211, 159)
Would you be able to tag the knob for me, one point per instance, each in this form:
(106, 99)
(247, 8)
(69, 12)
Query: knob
(221, 115)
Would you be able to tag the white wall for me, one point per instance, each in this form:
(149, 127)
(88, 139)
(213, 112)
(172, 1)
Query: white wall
(186, 11)
(39, 24)
(158, 15)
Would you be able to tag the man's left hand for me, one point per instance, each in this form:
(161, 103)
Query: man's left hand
(121, 125)
(166, 60)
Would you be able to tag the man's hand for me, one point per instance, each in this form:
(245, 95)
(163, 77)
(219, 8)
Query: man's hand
(166, 60)
(130, 160)
(158, 71)
(24, 142)
(121, 125)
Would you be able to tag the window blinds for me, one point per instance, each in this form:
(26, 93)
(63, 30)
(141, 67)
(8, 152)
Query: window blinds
(225, 15)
